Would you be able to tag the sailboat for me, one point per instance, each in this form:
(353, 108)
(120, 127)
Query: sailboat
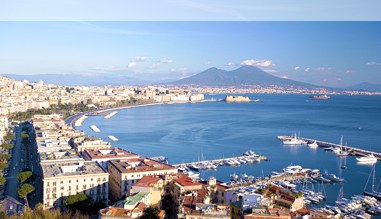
(342, 152)
(343, 163)
(373, 192)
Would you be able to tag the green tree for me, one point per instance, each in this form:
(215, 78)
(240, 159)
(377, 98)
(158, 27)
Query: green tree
(77, 202)
(7, 146)
(150, 213)
(9, 137)
(24, 176)
(3, 165)
(2, 180)
(3, 215)
(169, 206)
(24, 191)
(5, 156)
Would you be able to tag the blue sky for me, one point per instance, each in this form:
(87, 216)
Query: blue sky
(324, 53)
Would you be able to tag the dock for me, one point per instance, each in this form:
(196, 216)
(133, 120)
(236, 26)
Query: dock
(223, 161)
(351, 150)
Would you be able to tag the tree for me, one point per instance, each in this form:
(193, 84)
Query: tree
(9, 137)
(77, 202)
(24, 191)
(2, 180)
(5, 156)
(24, 176)
(3, 165)
(150, 213)
(7, 146)
(169, 206)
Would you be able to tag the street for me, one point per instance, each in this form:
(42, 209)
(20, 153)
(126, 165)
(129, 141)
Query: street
(12, 182)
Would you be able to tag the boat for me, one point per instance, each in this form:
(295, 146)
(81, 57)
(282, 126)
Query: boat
(342, 152)
(193, 175)
(333, 177)
(320, 97)
(367, 159)
(193, 167)
(95, 128)
(373, 192)
(112, 138)
(322, 179)
(294, 141)
(313, 145)
(108, 116)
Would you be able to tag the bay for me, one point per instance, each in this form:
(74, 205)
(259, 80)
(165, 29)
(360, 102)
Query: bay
(193, 131)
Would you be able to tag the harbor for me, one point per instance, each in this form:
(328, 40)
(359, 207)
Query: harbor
(246, 158)
(350, 150)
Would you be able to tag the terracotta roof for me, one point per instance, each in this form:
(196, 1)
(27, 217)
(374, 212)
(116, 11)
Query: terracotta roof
(185, 180)
(145, 165)
(147, 181)
(112, 153)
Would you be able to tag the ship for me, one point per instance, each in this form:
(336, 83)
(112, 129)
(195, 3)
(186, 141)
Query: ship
(294, 141)
(321, 97)
(313, 145)
(110, 115)
(367, 159)
(95, 128)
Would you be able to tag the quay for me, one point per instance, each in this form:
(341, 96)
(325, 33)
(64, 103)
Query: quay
(221, 161)
(351, 150)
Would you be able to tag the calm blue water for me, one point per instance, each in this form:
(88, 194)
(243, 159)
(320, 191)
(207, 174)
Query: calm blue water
(188, 132)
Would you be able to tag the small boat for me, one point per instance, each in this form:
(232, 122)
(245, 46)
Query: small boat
(367, 159)
(333, 178)
(321, 97)
(193, 167)
(322, 179)
(313, 145)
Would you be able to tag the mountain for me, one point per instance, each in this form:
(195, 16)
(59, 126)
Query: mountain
(245, 75)
(366, 87)
(83, 80)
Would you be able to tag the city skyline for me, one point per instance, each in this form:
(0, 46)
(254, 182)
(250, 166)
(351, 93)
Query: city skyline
(322, 53)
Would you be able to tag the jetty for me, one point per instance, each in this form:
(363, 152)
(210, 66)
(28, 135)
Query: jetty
(230, 161)
(349, 149)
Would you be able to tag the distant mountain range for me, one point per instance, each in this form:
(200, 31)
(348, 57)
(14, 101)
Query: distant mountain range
(243, 76)
(366, 87)
(82, 80)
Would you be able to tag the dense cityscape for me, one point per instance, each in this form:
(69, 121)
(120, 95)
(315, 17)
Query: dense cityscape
(48, 164)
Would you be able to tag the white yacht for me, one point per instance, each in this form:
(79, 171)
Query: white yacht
(367, 159)
(294, 141)
(313, 145)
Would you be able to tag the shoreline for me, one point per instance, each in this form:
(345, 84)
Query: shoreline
(71, 119)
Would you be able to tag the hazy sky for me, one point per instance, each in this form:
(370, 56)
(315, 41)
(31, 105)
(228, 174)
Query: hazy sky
(324, 53)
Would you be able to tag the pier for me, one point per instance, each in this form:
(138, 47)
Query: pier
(351, 150)
(223, 161)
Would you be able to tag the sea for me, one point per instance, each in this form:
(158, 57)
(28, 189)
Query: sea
(214, 129)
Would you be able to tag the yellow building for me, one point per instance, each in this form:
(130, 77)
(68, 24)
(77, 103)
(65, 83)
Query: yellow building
(125, 173)
(62, 178)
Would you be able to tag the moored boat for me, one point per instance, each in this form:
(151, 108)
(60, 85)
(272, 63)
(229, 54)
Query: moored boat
(367, 159)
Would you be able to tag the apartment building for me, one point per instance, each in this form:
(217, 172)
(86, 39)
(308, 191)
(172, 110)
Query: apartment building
(125, 173)
(62, 178)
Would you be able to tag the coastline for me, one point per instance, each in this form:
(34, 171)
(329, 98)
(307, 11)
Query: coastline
(71, 119)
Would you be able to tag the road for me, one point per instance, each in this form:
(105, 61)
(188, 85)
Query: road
(12, 182)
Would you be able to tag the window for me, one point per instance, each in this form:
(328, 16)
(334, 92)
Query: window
(77, 180)
(61, 182)
(91, 179)
(54, 184)
(69, 181)
(69, 188)
(62, 188)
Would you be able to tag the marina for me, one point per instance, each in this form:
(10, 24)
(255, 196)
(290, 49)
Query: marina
(339, 148)
(246, 158)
